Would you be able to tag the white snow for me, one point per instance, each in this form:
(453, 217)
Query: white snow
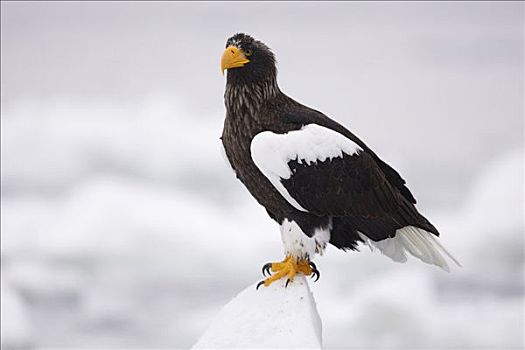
(419, 243)
(271, 152)
(272, 317)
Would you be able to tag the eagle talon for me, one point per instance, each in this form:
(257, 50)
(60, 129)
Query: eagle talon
(266, 269)
(316, 274)
(259, 284)
(288, 268)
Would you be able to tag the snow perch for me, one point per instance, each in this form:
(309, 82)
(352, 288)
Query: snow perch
(273, 317)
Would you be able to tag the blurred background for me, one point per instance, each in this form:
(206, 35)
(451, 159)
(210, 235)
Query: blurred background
(123, 226)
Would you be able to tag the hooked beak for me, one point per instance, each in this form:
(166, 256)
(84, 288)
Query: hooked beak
(233, 57)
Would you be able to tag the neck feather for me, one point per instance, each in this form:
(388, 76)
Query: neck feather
(243, 98)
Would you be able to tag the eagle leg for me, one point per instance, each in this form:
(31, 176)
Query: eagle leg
(289, 267)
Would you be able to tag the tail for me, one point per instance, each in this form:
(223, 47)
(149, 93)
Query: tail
(422, 244)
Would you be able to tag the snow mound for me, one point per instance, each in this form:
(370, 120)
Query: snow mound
(271, 317)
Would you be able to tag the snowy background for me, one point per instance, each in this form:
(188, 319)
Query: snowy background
(123, 227)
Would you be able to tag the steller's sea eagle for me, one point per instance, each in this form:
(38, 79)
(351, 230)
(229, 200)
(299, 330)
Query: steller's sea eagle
(319, 181)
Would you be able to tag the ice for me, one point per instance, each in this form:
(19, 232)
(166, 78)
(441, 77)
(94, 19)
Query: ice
(272, 317)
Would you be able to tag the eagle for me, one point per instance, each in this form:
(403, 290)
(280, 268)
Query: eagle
(314, 177)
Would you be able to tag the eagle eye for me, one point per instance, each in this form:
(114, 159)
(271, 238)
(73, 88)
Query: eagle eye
(248, 52)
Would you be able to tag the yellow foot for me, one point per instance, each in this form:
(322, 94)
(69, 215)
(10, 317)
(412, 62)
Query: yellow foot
(289, 267)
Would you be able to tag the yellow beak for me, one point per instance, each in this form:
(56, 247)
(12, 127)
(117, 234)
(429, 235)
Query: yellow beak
(233, 57)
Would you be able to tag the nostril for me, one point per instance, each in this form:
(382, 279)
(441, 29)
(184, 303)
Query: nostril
(232, 50)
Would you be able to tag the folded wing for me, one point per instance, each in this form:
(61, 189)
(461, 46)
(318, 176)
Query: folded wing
(320, 171)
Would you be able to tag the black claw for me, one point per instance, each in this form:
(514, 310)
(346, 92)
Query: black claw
(287, 282)
(259, 284)
(316, 274)
(315, 271)
(266, 269)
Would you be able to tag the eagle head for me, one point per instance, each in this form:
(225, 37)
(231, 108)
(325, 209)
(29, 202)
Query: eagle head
(248, 60)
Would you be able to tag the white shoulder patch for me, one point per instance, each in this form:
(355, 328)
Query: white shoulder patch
(271, 152)
(418, 242)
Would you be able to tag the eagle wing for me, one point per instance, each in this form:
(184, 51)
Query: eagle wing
(319, 167)
(300, 115)
(321, 171)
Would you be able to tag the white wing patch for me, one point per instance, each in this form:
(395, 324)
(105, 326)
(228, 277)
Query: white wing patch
(271, 152)
(419, 243)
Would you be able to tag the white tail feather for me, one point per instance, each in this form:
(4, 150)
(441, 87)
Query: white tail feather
(418, 242)
(438, 243)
